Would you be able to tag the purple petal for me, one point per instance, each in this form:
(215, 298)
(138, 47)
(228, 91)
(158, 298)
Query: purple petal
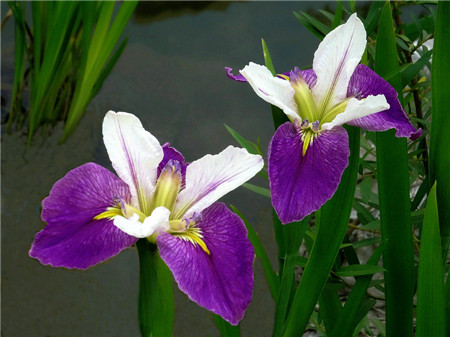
(171, 153)
(238, 78)
(72, 239)
(309, 76)
(222, 282)
(365, 82)
(301, 184)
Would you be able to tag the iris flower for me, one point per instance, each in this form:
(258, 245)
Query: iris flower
(308, 154)
(92, 215)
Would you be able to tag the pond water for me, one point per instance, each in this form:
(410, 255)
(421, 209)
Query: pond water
(171, 75)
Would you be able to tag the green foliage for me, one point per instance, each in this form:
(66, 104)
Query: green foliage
(394, 179)
(70, 51)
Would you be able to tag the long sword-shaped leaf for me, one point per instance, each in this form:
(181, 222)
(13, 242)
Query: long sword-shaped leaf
(430, 287)
(334, 216)
(347, 319)
(292, 236)
(92, 75)
(278, 116)
(19, 60)
(155, 292)
(393, 189)
(260, 252)
(440, 122)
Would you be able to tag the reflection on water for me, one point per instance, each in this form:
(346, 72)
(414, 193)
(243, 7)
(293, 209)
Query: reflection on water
(171, 76)
(150, 11)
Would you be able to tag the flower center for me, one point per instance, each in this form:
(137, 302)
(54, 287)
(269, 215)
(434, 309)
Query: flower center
(308, 108)
(167, 187)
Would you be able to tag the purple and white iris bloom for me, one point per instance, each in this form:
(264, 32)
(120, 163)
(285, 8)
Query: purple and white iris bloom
(307, 156)
(92, 215)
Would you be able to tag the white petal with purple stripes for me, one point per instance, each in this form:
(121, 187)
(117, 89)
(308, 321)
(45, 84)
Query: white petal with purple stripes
(336, 59)
(135, 154)
(272, 89)
(213, 176)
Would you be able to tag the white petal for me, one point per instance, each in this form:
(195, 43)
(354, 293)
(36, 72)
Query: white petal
(336, 59)
(272, 89)
(211, 177)
(134, 153)
(357, 109)
(158, 220)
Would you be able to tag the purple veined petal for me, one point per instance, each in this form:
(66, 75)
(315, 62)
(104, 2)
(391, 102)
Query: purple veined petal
(273, 90)
(309, 76)
(72, 239)
(135, 154)
(301, 184)
(174, 154)
(365, 82)
(336, 59)
(238, 77)
(222, 282)
(212, 176)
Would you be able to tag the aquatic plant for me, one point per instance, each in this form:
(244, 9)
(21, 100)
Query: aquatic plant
(63, 57)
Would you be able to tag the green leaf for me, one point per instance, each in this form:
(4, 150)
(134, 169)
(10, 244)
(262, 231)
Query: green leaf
(155, 292)
(365, 188)
(260, 252)
(393, 191)
(334, 219)
(315, 26)
(431, 316)
(359, 270)
(249, 146)
(330, 305)
(355, 307)
(19, 60)
(257, 189)
(101, 47)
(225, 328)
(413, 68)
(289, 239)
(278, 115)
(440, 122)
(338, 15)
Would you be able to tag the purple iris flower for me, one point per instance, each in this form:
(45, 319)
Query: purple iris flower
(307, 156)
(92, 215)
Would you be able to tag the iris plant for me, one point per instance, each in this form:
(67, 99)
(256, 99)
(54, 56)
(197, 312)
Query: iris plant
(92, 215)
(307, 156)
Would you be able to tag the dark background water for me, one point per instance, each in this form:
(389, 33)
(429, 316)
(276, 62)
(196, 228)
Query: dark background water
(171, 76)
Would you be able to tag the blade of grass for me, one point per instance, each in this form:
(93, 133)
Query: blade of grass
(91, 75)
(393, 190)
(260, 252)
(155, 292)
(440, 122)
(333, 224)
(19, 61)
(430, 287)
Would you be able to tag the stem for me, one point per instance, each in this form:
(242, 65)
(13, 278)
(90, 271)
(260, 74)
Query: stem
(155, 304)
